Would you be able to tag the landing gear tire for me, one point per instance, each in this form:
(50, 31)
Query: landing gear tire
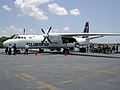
(41, 50)
(58, 49)
(51, 49)
(18, 51)
(83, 50)
(72, 49)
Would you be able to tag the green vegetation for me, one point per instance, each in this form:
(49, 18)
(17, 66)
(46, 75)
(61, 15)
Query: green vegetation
(2, 39)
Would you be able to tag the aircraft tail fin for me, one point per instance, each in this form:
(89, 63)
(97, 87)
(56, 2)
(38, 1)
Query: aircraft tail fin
(86, 29)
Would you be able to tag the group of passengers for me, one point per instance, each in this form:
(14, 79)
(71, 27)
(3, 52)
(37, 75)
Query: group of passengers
(103, 48)
(8, 49)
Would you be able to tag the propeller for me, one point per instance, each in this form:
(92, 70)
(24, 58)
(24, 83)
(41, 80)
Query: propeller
(46, 36)
(43, 31)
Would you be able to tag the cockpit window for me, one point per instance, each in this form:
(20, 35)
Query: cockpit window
(16, 36)
(21, 37)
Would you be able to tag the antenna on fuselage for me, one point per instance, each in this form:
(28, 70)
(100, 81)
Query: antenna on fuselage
(24, 32)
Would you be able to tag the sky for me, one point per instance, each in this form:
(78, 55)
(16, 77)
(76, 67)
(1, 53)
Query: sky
(62, 15)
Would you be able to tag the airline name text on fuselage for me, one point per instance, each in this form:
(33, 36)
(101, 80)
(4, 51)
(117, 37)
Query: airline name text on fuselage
(38, 44)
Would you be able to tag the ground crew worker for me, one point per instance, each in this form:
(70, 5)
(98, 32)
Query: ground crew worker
(117, 49)
(9, 49)
(26, 49)
(14, 49)
(6, 50)
(113, 49)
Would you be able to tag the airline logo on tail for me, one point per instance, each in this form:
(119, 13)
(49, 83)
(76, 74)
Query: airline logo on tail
(86, 29)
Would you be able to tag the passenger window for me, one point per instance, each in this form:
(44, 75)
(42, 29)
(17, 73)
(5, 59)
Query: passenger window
(30, 37)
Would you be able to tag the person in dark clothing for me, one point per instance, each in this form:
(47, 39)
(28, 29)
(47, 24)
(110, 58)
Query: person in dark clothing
(9, 49)
(113, 49)
(6, 50)
(14, 49)
(117, 49)
(104, 49)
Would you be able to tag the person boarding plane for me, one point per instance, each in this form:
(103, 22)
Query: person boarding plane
(55, 41)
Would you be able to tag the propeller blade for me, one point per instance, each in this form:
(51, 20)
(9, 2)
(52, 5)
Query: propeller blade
(43, 41)
(49, 40)
(49, 30)
(42, 31)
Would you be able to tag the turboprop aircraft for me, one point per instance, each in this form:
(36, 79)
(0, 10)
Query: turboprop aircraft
(55, 41)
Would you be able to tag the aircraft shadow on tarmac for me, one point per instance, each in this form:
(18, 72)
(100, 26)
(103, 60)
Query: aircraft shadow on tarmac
(75, 54)
(94, 55)
(82, 54)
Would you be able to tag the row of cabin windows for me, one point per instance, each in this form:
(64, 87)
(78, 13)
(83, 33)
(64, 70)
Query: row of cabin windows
(20, 37)
(23, 37)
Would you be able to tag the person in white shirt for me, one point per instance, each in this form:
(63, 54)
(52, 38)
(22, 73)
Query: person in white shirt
(26, 49)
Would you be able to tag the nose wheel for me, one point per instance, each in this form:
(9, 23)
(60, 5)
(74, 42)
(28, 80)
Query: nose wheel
(18, 51)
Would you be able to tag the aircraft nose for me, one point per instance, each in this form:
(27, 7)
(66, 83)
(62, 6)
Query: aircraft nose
(5, 44)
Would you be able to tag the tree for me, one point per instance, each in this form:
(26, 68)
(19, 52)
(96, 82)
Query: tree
(2, 39)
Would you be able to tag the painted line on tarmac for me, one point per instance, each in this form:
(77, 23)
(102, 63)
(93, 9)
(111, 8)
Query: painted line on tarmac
(66, 82)
(95, 73)
(85, 68)
(41, 84)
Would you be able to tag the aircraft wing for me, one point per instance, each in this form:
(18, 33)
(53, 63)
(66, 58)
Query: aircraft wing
(89, 34)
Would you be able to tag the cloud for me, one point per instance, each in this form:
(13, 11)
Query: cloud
(10, 30)
(6, 8)
(36, 2)
(75, 12)
(30, 8)
(55, 31)
(55, 8)
(66, 29)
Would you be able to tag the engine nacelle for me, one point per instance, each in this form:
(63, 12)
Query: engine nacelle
(82, 41)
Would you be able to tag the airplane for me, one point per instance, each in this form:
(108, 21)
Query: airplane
(55, 41)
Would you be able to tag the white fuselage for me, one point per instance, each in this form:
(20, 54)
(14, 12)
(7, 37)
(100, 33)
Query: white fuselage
(35, 41)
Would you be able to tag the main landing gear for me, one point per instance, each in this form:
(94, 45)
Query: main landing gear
(41, 50)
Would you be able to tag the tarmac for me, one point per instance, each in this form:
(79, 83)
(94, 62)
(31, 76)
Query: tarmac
(55, 71)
